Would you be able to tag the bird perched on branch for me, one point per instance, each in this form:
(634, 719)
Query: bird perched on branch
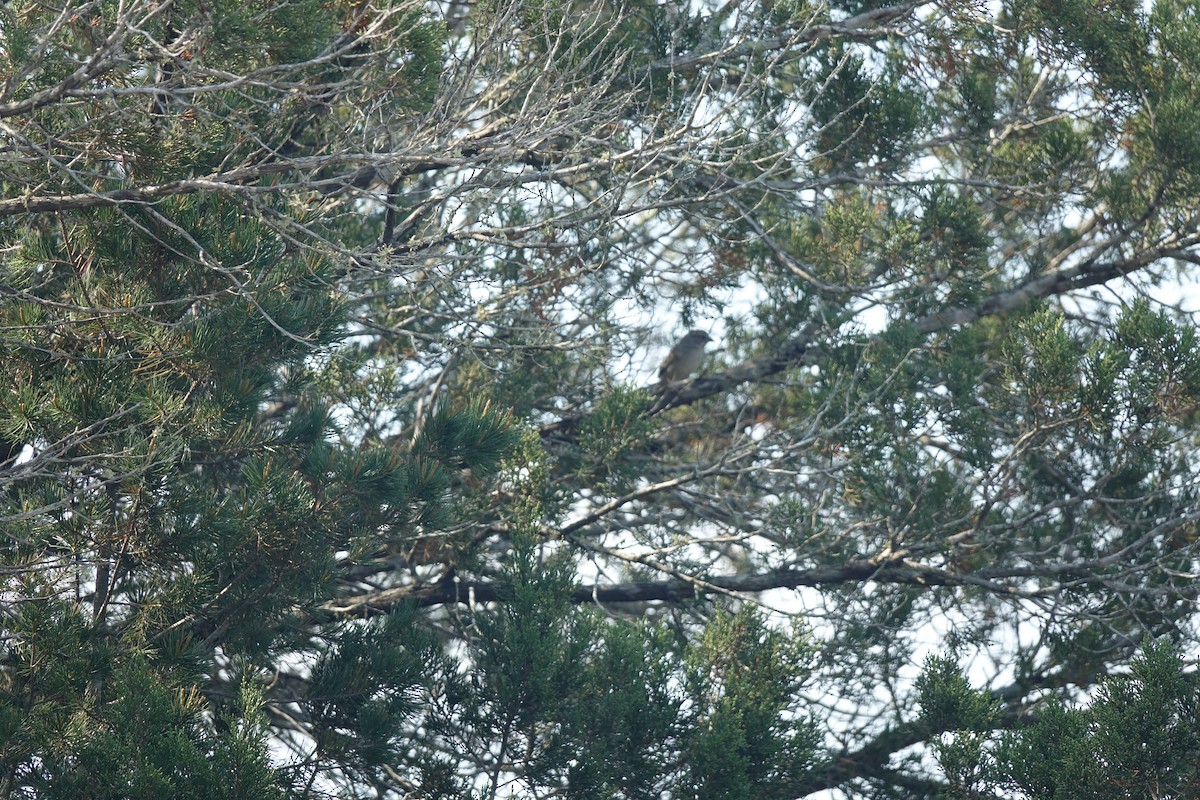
(685, 357)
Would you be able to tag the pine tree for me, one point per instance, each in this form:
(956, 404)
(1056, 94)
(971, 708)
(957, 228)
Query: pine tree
(332, 461)
(1139, 736)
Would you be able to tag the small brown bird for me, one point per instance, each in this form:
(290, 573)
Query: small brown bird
(685, 357)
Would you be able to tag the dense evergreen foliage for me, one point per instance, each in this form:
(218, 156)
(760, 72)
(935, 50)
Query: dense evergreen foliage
(332, 461)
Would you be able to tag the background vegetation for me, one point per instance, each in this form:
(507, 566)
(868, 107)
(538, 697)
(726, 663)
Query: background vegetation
(332, 462)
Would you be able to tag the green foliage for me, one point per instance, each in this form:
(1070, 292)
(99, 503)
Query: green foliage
(1137, 738)
(366, 686)
(861, 115)
(624, 751)
(615, 429)
(149, 738)
(613, 709)
(1044, 362)
(529, 648)
(475, 437)
(151, 741)
(949, 704)
(1110, 38)
(745, 739)
(955, 244)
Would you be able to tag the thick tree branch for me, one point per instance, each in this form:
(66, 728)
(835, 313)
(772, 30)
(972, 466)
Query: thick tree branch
(451, 589)
(865, 26)
(884, 569)
(795, 350)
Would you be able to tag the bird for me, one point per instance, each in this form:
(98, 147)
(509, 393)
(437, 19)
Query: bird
(685, 357)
